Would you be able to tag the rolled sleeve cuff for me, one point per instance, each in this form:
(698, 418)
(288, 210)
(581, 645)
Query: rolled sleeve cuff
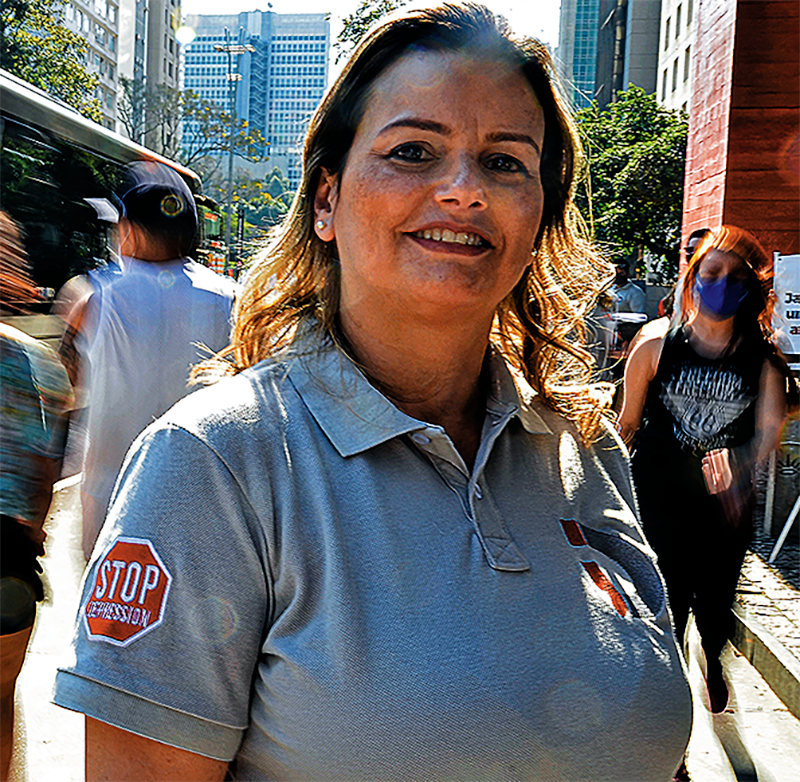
(146, 718)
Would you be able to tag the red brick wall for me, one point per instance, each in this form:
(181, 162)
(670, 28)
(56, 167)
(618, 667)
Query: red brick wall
(707, 149)
(743, 156)
(762, 191)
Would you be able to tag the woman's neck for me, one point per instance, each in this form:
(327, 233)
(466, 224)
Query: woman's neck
(711, 337)
(432, 372)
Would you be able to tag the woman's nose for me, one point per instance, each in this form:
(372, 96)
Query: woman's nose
(462, 186)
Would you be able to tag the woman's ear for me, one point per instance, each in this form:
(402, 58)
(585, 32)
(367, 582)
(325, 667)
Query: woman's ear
(325, 200)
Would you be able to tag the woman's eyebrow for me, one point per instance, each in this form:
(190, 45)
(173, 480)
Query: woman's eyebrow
(419, 124)
(505, 135)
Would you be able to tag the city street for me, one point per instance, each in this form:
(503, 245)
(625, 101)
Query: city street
(755, 739)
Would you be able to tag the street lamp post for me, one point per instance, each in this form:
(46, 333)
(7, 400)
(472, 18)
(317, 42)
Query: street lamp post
(234, 77)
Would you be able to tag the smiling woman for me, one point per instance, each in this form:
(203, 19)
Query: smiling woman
(386, 548)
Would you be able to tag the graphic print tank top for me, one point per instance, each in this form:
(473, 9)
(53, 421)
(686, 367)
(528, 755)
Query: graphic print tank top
(702, 403)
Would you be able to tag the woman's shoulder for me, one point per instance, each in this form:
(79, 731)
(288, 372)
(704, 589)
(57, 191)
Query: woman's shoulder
(653, 333)
(253, 398)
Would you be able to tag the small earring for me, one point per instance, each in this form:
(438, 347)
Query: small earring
(320, 225)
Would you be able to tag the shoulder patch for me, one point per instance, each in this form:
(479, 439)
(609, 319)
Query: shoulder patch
(129, 594)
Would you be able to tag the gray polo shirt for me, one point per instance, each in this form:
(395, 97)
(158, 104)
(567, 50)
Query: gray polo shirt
(297, 575)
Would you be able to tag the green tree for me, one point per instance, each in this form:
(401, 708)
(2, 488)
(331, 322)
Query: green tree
(35, 46)
(360, 21)
(266, 201)
(12, 12)
(181, 125)
(636, 150)
(206, 131)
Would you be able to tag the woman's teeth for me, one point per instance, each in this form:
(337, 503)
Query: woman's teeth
(446, 235)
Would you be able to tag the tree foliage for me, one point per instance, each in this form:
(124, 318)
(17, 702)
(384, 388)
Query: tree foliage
(360, 21)
(180, 124)
(266, 201)
(636, 150)
(35, 46)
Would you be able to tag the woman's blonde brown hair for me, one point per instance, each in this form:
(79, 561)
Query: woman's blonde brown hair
(756, 310)
(539, 326)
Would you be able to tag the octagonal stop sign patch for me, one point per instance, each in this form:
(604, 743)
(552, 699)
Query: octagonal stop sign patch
(129, 594)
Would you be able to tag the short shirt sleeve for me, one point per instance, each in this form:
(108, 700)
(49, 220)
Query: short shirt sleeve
(175, 601)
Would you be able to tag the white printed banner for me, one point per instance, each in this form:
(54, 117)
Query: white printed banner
(787, 307)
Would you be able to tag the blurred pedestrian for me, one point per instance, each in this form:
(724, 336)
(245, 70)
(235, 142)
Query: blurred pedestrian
(706, 400)
(670, 305)
(34, 396)
(628, 308)
(138, 333)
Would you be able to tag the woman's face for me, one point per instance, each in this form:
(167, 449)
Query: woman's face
(718, 264)
(723, 283)
(439, 203)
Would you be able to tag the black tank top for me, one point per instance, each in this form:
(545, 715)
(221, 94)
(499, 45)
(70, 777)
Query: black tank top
(699, 403)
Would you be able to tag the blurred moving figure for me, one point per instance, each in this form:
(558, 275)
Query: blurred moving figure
(708, 398)
(34, 395)
(667, 306)
(137, 333)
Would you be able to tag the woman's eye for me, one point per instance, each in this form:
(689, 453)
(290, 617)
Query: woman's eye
(411, 153)
(505, 164)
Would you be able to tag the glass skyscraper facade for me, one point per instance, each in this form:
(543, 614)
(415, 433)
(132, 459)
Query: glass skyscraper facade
(283, 78)
(577, 48)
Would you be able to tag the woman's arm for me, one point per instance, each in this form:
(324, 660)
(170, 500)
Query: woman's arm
(639, 373)
(116, 755)
(770, 417)
(770, 412)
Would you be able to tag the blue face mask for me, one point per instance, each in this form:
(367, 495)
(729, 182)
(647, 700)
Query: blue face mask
(721, 298)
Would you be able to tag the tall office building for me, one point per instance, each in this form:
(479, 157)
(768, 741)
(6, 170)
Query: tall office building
(149, 54)
(641, 43)
(607, 45)
(97, 21)
(282, 79)
(577, 49)
(675, 50)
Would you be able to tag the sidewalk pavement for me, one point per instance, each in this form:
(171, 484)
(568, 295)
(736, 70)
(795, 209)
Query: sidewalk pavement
(767, 613)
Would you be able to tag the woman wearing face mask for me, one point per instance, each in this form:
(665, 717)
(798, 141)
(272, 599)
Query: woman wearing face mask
(706, 401)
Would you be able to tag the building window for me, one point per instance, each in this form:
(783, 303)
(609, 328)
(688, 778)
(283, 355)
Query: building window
(112, 43)
(689, 10)
(687, 57)
(112, 14)
(664, 86)
(70, 12)
(666, 35)
(674, 75)
(678, 22)
(170, 69)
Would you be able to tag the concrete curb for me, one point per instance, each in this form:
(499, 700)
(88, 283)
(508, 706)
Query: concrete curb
(778, 667)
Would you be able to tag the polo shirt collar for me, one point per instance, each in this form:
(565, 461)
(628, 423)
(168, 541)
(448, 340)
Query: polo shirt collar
(355, 416)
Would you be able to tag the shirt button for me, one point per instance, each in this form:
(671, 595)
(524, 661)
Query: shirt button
(420, 439)
(478, 492)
